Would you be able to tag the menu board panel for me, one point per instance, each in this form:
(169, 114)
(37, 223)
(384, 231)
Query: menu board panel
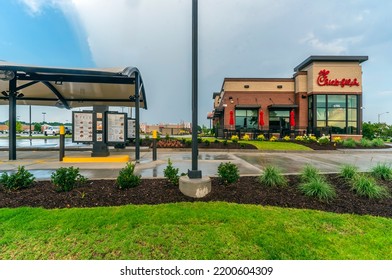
(82, 127)
(131, 129)
(116, 127)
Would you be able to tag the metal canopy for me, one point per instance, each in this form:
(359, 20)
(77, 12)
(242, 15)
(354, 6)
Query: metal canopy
(71, 88)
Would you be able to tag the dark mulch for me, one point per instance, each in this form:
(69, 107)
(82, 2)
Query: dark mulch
(156, 191)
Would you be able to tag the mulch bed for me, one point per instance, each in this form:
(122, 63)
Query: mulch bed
(157, 191)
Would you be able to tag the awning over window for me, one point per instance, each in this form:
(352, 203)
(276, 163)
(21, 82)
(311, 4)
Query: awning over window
(282, 106)
(71, 87)
(247, 106)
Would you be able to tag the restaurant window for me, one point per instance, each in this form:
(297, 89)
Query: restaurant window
(246, 118)
(278, 120)
(337, 112)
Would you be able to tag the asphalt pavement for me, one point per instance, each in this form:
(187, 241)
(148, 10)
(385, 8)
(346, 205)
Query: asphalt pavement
(42, 162)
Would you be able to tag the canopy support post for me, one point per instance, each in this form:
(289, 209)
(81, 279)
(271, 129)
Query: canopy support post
(12, 119)
(137, 116)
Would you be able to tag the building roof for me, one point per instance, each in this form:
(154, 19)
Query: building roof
(71, 87)
(329, 58)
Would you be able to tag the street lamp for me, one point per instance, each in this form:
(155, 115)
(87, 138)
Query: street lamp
(380, 115)
(43, 116)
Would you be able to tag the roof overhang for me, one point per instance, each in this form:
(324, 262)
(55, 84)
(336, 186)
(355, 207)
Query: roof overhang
(330, 58)
(247, 106)
(71, 87)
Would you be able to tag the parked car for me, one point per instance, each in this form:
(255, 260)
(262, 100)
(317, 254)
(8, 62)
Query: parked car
(68, 130)
(52, 130)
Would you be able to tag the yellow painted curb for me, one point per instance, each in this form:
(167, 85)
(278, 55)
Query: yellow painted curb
(96, 159)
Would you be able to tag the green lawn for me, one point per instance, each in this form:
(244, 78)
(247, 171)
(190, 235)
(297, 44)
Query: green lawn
(191, 231)
(270, 146)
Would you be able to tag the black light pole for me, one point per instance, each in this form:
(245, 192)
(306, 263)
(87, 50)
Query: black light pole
(194, 173)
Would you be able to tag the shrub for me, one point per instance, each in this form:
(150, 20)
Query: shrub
(366, 143)
(126, 178)
(188, 142)
(310, 173)
(260, 137)
(318, 187)
(337, 139)
(286, 138)
(382, 172)
(171, 173)
(22, 179)
(323, 140)
(216, 141)
(224, 142)
(273, 139)
(348, 171)
(228, 172)
(207, 142)
(234, 138)
(65, 179)
(299, 138)
(349, 143)
(272, 177)
(367, 186)
(199, 140)
(246, 137)
(378, 142)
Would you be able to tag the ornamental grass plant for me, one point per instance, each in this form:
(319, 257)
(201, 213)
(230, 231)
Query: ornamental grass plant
(348, 171)
(382, 171)
(272, 177)
(319, 188)
(367, 186)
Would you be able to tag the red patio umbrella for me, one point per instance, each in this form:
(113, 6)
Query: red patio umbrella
(261, 118)
(292, 118)
(231, 120)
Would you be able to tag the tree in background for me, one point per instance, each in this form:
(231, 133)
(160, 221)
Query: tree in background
(376, 130)
(37, 127)
(19, 126)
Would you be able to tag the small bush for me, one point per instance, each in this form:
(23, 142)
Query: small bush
(246, 137)
(260, 137)
(378, 142)
(188, 142)
(273, 139)
(171, 173)
(310, 173)
(367, 186)
(382, 172)
(22, 179)
(349, 143)
(207, 142)
(225, 142)
(272, 177)
(348, 171)
(286, 138)
(126, 178)
(365, 143)
(228, 173)
(318, 187)
(323, 140)
(299, 138)
(234, 138)
(337, 139)
(65, 179)
(216, 141)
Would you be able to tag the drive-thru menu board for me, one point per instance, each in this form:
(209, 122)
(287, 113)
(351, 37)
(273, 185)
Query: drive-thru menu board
(116, 127)
(131, 129)
(83, 127)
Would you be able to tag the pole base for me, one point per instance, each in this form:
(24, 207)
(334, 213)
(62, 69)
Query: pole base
(196, 188)
(194, 174)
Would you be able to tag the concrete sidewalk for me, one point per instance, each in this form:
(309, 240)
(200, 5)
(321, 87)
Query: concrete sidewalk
(42, 163)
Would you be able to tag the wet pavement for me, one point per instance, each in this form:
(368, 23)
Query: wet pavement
(43, 162)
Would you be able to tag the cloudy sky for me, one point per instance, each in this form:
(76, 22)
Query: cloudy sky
(237, 38)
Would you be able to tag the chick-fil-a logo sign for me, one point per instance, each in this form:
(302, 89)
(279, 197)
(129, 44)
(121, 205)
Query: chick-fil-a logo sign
(322, 80)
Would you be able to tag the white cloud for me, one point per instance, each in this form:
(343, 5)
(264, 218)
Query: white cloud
(334, 46)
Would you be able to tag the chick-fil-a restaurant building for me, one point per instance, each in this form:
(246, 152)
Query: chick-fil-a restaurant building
(324, 96)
